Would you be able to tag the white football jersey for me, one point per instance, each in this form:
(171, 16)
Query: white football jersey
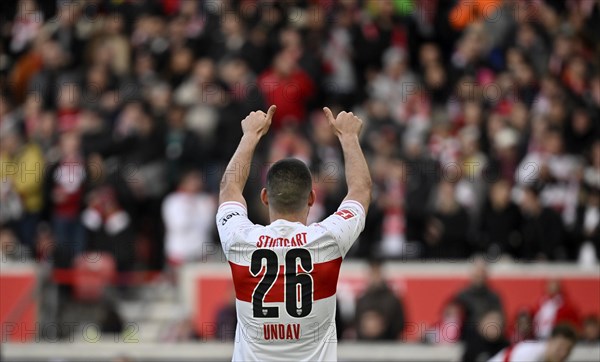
(285, 276)
(526, 351)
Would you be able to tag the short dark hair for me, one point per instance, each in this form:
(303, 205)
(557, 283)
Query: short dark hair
(566, 331)
(289, 183)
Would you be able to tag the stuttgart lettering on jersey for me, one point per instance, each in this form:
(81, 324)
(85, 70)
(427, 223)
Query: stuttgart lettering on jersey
(265, 241)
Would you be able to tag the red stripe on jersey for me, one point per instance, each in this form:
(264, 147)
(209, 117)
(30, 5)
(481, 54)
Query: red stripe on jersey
(324, 275)
(509, 352)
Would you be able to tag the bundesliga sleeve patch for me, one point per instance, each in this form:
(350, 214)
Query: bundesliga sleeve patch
(345, 214)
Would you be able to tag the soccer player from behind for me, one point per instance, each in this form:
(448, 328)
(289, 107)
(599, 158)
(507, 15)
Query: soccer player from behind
(285, 273)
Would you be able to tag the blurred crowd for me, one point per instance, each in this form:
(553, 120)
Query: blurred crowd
(481, 122)
(474, 315)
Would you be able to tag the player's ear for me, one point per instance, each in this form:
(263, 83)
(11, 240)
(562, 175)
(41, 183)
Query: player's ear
(264, 197)
(312, 197)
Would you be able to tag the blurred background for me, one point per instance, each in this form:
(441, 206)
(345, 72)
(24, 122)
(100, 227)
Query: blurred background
(482, 132)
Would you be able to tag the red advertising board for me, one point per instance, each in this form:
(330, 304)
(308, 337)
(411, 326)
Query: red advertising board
(18, 309)
(423, 294)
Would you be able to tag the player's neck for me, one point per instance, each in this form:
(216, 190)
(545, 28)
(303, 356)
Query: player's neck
(288, 217)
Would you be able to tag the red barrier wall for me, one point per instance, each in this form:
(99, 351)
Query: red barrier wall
(423, 297)
(15, 298)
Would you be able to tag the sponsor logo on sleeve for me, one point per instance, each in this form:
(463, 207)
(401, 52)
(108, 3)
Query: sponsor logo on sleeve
(228, 216)
(345, 214)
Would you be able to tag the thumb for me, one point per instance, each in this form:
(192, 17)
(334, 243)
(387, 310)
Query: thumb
(271, 112)
(328, 114)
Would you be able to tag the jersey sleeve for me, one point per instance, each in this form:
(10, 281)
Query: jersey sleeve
(346, 224)
(232, 224)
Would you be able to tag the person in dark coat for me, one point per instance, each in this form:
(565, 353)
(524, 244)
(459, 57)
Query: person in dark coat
(488, 340)
(446, 233)
(500, 223)
(542, 229)
(477, 299)
(586, 228)
(379, 311)
(108, 214)
(184, 149)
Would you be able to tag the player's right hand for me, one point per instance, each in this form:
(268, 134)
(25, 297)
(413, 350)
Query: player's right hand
(345, 124)
(257, 123)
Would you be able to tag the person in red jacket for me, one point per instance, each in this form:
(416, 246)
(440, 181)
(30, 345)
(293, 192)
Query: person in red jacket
(288, 87)
(553, 308)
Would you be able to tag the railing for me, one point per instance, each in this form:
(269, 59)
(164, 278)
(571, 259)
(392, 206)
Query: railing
(211, 351)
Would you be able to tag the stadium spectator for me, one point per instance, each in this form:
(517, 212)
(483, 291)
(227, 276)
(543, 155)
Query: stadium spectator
(379, 311)
(341, 82)
(395, 84)
(488, 340)
(107, 214)
(241, 84)
(141, 140)
(542, 229)
(421, 178)
(392, 191)
(447, 329)
(585, 230)
(64, 189)
(96, 135)
(500, 223)
(446, 236)
(226, 321)
(99, 90)
(477, 299)
(591, 330)
(68, 105)
(11, 249)
(21, 170)
(591, 173)
(45, 134)
(183, 147)
(287, 86)
(188, 217)
(53, 70)
(554, 308)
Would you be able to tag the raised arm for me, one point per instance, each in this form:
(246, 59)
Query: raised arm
(347, 128)
(254, 126)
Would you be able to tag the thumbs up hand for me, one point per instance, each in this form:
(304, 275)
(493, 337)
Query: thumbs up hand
(258, 122)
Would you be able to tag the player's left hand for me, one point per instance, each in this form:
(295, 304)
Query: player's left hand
(257, 123)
